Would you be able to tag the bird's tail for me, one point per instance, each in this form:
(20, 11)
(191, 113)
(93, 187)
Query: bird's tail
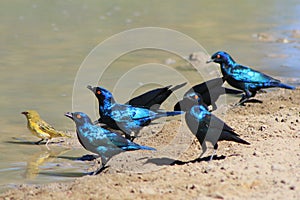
(282, 85)
(176, 87)
(168, 113)
(235, 138)
(64, 134)
(147, 148)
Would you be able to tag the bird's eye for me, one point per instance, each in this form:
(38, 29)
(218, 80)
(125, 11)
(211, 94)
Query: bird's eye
(98, 92)
(196, 97)
(78, 116)
(218, 56)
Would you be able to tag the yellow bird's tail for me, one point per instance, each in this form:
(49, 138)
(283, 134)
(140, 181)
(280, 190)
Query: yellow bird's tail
(63, 134)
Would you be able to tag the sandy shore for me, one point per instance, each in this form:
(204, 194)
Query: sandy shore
(269, 168)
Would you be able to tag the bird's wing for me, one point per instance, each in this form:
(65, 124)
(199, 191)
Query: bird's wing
(148, 99)
(102, 137)
(44, 126)
(47, 128)
(118, 140)
(93, 135)
(246, 74)
(123, 113)
(214, 122)
(35, 126)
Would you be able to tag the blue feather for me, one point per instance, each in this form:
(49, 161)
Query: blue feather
(243, 77)
(99, 140)
(125, 117)
(207, 127)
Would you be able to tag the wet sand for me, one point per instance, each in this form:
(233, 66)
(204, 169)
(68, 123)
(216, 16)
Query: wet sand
(266, 169)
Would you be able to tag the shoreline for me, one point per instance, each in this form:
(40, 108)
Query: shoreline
(268, 168)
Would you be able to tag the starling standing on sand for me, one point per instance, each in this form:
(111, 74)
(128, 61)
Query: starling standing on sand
(206, 126)
(129, 119)
(243, 77)
(40, 128)
(101, 141)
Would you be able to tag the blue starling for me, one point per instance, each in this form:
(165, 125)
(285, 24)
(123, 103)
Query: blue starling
(101, 141)
(129, 119)
(243, 77)
(206, 126)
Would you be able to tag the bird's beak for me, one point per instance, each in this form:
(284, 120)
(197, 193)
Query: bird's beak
(24, 113)
(93, 89)
(69, 115)
(209, 61)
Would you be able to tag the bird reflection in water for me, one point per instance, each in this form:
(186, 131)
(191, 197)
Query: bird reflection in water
(41, 157)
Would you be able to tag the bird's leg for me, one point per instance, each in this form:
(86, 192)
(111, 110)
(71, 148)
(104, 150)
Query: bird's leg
(214, 152)
(246, 97)
(242, 101)
(204, 148)
(102, 167)
(211, 158)
(254, 100)
(129, 137)
(132, 138)
(38, 142)
(48, 140)
(134, 135)
(99, 169)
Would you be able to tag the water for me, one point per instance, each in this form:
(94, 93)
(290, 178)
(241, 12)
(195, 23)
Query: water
(44, 43)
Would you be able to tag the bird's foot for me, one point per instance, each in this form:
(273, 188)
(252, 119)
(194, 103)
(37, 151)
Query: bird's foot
(244, 99)
(98, 171)
(39, 142)
(208, 168)
(242, 103)
(131, 137)
(239, 104)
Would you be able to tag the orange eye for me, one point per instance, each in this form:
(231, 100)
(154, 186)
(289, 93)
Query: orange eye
(78, 116)
(218, 56)
(98, 92)
(196, 97)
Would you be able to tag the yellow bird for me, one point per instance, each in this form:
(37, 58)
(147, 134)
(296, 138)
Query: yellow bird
(40, 128)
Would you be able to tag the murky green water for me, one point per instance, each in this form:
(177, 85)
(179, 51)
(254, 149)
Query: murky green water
(43, 44)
